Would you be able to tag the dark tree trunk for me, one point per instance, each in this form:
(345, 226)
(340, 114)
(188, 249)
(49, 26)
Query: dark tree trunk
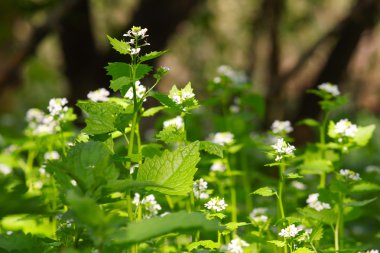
(82, 65)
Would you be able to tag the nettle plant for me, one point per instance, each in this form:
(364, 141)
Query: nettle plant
(107, 190)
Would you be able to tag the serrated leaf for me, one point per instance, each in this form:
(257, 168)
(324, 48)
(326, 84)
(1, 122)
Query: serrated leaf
(101, 116)
(303, 250)
(19, 242)
(152, 111)
(212, 148)
(142, 70)
(277, 243)
(317, 234)
(127, 184)
(363, 135)
(207, 244)
(174, 170)
(265, 192)
(182, 222)
(326, 216)
(122, 121)
(165, 100)
(151, 55)
(120, 83)
(118, 69)
(293, 176)
(232, 226)
(171, 134)
(121, 46)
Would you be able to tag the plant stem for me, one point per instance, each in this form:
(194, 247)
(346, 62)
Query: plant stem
(246, 181)
(339, 226)
(232, 192)
(281, 190)
(322, 136)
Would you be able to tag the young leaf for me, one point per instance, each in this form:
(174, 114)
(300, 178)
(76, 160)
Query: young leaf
(174, 170)
(165, 100)
(309, 122)
(212, 148)
(208, 244)
(365, 187)
(171, 134)
(182, 222)
(325, 216)
(360, 203)
(363, 135)
(19, 242)
(142, 70)
(277, 243)
(120, 83)
(152, 111)
(151, 55)
(121, 46)
(264, 191)
(316, 166)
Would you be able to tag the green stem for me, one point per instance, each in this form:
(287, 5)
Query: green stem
(281, 190)
(246, 182)
(322, 136)
(232, 192)
(339, 226)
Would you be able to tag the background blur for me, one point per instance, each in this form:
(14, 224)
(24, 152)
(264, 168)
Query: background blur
(56, 48)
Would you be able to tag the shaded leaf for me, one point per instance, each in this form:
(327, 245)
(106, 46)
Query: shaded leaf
(212, 148)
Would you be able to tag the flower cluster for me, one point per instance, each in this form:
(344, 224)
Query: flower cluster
(236, 77)
(329, 88)
(51, 155)
(57, 107)
(216, 204)
(99, 95)
(258, 215)
(200, 189)
(181, 96)
(349, 174)
(222, 138)
(344, 128)
(177, 122)
(290, 231)
(282, 149)
(314, 203)
(5, 169)
(370, 251)
(236, 245)
(136, 34)
(281, 127)
(218, 166)
(149, 204)
(140, 91)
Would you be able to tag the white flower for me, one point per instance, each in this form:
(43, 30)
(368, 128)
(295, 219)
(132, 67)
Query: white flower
(236, 246)
(177, 122)
(329, 88)
(34, 115)
(136, 31)
(350, 174)
(136, 199)
(237, 77)
(5, 169)
(140, 91)
(218, 166)
(98, 95)
(282, 148)
(134, 51)
(149, 204)
(216, 204)
(57, 106)
(200, 189)
(41, 124)
(222, 138)
(52, 155)
(314, 203)
(289, 231)
(133, 168)
(345, 128)
(258, 215)
(370, 251)
(281, 127)
(298, 185)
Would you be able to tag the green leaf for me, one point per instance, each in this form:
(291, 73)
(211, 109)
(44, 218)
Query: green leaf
(165, 100)
(207, 244)
(127, 184)
(360, 203)
(142, 70)
(325, 216)
(363, 135)
(118, 69)
(151, 55)
(152, 111)
(122, 121)
(181, 222)
(19, 242)
(235, 225)
(171, 134)
(89, 164)
(316, 166)
(293, 176)
(309, 122)
(101, 116)
(174, 170)
(121, 46)
(303, 250)
(256, 102)
(264, 191)
(365, 187)
(121, 83)
(317, 234)
(277, 243)
(212, 148)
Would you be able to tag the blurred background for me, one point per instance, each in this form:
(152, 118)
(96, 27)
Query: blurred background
(58, 48)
